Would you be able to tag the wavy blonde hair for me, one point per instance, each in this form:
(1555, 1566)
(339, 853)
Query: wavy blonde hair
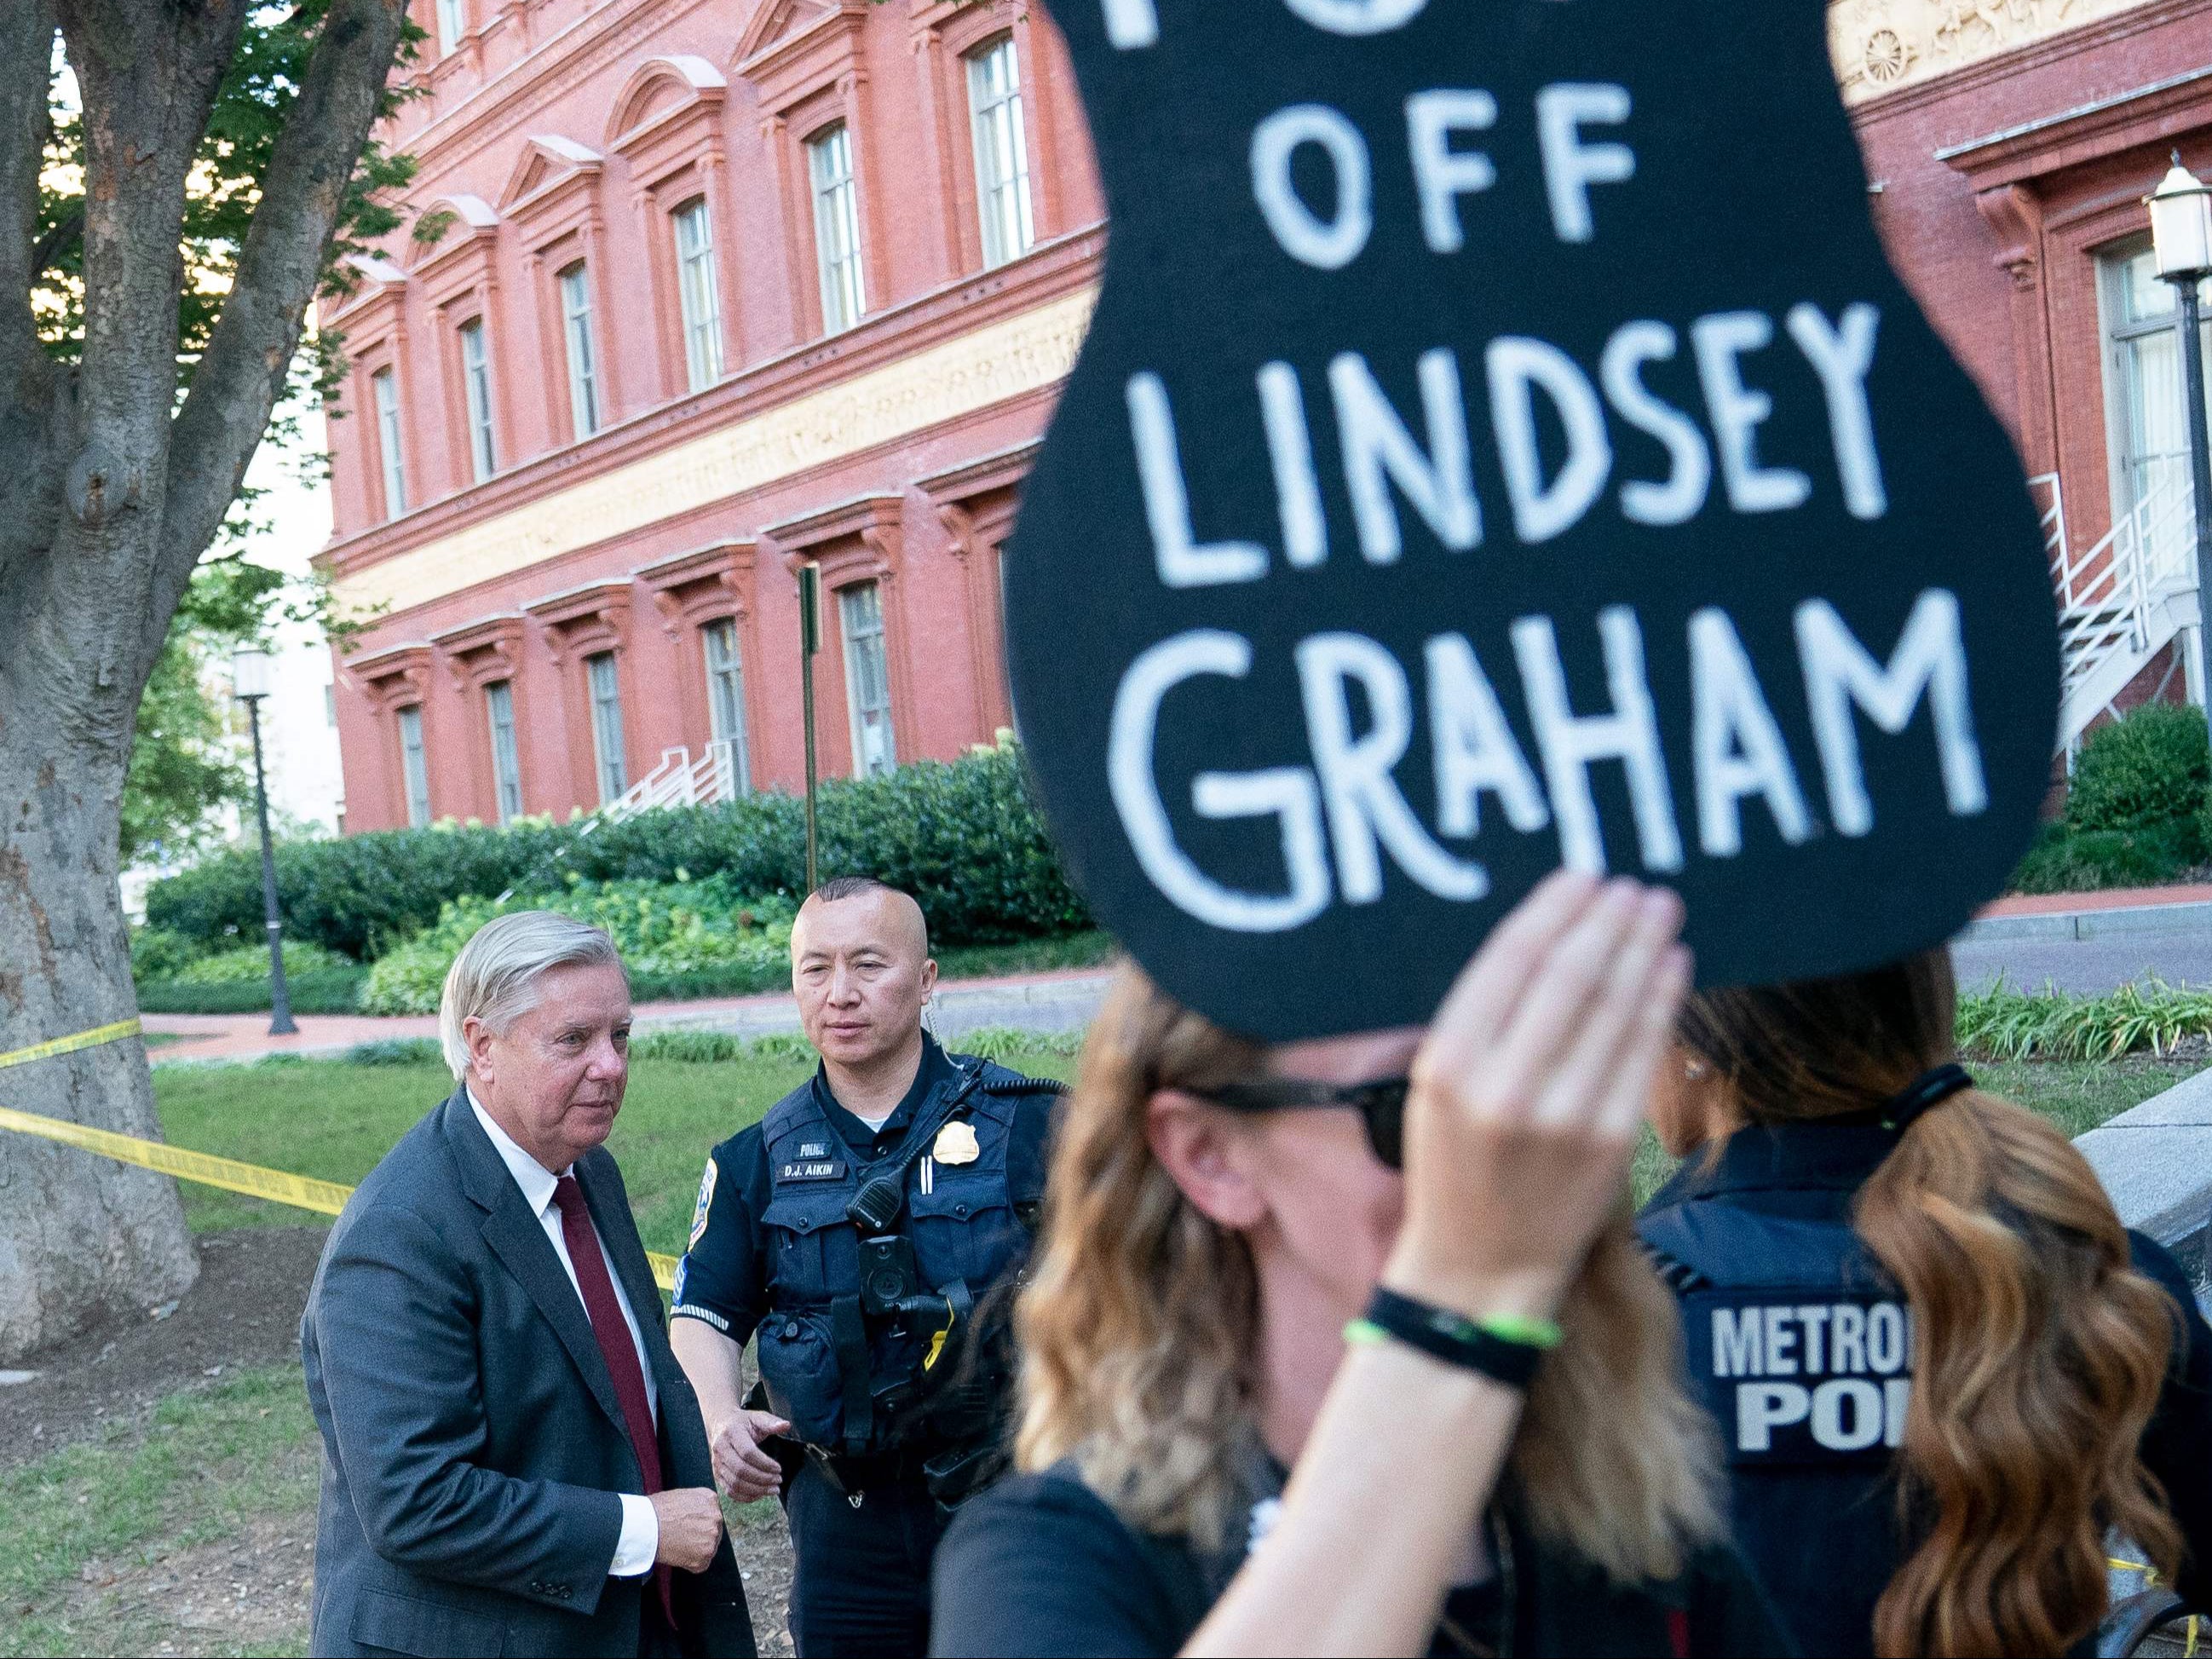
(1141, 1335)
(2038, 1351)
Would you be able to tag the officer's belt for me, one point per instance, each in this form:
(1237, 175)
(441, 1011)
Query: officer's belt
(871, 1472)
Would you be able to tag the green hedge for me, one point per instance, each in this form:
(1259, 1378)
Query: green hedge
(963, 838)
(681, 931)
(329, 993)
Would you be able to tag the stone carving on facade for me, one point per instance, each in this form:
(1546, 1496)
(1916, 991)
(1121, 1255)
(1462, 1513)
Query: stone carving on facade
(1883, 45)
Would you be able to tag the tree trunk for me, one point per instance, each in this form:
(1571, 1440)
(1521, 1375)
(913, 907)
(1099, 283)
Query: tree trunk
(110, 492)
(81, 1236)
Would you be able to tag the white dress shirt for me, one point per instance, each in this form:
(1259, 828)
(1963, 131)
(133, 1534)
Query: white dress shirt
(641, 1528)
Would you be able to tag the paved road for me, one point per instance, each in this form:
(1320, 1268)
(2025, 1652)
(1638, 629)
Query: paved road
(2088, 966)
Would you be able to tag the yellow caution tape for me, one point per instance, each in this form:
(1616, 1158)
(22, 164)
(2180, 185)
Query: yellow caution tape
(92, 1039)
(300, 1192)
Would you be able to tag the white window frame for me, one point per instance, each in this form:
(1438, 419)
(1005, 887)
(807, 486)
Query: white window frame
(602, 679)
(860, 624)
(836, 193)
(476, 393)
(452, 24)
(506, 753)
(2135, 476)
(698, 294)
(1002, 157)
(726, 696)
(576, 287)
(384, 394)
(415, 766)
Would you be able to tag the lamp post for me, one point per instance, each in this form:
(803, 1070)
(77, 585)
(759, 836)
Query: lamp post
(2181, 240)
(249, 683)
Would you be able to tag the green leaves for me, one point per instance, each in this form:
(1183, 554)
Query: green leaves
(2149, 1016)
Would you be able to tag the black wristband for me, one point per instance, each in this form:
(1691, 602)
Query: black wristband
(1453, 1338)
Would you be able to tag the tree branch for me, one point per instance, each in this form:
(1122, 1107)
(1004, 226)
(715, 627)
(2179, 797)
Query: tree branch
(241, 375)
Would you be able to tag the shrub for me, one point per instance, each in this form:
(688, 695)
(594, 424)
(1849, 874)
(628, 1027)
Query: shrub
(396, 1051)
(662, 930)
(963, 838)
(333, 993)
(2008, 1025)
(160, 953)
(2150, 768)
(2067, 861)
(250, 962)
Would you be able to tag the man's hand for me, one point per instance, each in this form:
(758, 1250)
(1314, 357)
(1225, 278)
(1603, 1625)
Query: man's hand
(690, 1527)
(746, 1471)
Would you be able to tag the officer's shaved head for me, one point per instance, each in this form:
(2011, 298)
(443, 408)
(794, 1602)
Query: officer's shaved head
(860, 969)
(901, 906)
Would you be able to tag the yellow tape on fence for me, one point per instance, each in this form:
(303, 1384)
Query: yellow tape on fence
(300, 1192)
(92, 1039)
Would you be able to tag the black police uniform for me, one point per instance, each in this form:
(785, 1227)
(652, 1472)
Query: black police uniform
(1803, 1349)
(893, 1417)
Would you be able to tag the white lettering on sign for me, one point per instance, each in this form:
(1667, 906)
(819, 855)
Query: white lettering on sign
(1326, 245)
(1349, 796)
(1840, 675)
(1132, 24)
(1384, 459)
(1182, 560)
(1379, 450)
(1738, 746)
(1287, 793)
(1570, 743)
(1571, 166)
(1442, 173)
(1357, 16)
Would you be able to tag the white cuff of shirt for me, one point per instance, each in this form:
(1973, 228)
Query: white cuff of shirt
(640, 1538)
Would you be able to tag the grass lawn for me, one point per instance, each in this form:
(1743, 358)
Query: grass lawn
(111, 1546)
(333, 1120)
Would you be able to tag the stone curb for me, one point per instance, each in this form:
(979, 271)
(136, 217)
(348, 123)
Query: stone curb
(2155, 1162)
(2092, 924)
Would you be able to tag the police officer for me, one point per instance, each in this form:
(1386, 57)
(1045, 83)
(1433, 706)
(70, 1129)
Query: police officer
(868, 1229)
(1854, 1225)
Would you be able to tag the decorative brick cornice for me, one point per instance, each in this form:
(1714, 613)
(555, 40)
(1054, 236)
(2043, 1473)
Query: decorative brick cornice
(702, 586)
(464, 259)
(394, 678)
(554, 191)
(484, 651)
(582, 621)
(852, 541)
(668, 115)
(795, 48)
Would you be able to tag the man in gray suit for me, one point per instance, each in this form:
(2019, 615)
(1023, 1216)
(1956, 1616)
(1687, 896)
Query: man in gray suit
(513, 1460)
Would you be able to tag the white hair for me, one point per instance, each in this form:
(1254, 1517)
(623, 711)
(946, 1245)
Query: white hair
(494, 978)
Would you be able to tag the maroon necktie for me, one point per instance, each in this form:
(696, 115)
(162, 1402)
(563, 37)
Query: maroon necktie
(616, 1346)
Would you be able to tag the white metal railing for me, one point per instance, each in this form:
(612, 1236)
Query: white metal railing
(679, 780)
(2113, 614)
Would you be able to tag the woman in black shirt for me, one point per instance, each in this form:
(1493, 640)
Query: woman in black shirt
(1186, 1344)
(1896, 1287)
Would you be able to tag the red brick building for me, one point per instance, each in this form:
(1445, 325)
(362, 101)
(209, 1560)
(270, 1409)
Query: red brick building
(2009, 144)
(718, 288)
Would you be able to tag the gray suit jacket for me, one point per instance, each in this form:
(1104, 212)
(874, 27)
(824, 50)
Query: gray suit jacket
(473, 1447)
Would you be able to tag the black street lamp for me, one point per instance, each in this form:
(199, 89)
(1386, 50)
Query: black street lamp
(249, 683)
(2181, 240)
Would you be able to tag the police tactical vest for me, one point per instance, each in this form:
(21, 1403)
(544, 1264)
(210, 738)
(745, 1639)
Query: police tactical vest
(848, 1383)
(1799, 1345)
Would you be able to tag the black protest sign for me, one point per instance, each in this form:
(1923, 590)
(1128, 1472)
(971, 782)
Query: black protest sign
(1501, 441)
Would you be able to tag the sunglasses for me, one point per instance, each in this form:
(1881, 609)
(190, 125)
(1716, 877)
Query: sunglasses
(1381, 1105)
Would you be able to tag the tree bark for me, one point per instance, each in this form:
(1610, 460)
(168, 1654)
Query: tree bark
(109, 497)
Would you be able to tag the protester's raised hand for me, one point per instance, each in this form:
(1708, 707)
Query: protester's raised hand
(744, 1470)
(690, 1527)
(1528, 1092)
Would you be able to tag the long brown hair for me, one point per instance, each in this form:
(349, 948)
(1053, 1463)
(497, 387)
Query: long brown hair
(2039, 1350)
(1141, 1335)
